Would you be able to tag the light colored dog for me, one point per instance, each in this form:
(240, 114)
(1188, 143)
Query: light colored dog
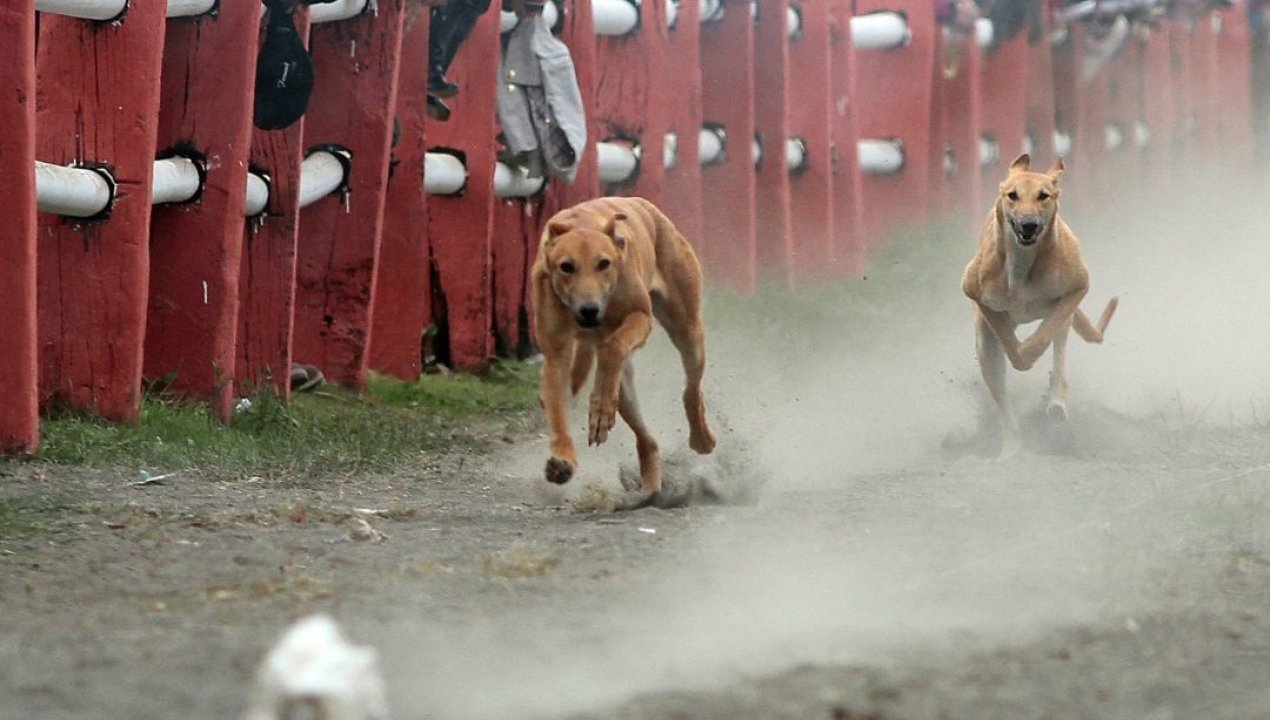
(1028, 268)
(605, 269)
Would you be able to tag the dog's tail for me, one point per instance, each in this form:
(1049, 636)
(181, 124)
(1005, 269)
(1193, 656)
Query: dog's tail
(1086, 329)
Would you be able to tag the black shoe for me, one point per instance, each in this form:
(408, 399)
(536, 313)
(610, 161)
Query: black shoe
(442, 88)
(437, 110)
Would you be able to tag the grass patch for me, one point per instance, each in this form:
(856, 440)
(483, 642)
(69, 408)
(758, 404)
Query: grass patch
(334, 431)
(28, 516)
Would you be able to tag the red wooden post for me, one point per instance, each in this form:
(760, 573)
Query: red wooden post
(681, 196)
(630, 98)
(517, 224)
(98, 101)
(811, 107)
(849, 251)
(459, 228)
(19, 379)
(401, 275)
(956, 125)
(727, 247)
(1157, 111)
(1204, 98)
(1040, 95)
(894, 91)
(1233, 89)
(195, 248)
(1004, 98)
(771, 125)
(355, 63)
(266, 308)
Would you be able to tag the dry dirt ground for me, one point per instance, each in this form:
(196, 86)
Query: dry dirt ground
(869, 563)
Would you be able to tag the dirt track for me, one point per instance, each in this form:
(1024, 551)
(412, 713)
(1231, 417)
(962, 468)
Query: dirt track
(879, 574)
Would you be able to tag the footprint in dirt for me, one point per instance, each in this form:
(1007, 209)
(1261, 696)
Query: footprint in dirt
(1089, 430)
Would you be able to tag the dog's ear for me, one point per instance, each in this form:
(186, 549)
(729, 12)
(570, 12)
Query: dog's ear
(1021, 163)
(1056, 172)
(555, 229)
(610, 229)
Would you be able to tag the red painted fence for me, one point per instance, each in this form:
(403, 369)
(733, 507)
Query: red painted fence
(786, 139)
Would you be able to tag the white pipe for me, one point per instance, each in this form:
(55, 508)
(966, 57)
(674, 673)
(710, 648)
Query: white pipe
(879, 31)
(710, 145)
(711, 10)
(672, 13)
(507, 19)
(174, 180)
(1062, 143)
(614, 17)
(257, 195)
(880, 156)
(793, 22)
(321, 174)
(512, 182)
(189, 8)
(756, 151)
(1029, 145)
(1113, 137)
(989, 151)
(443, 174)
(336, 11)
(795, 153)
(617, 161)
(984, 32)
(1141, 134)
(83, 9)
(670, 151)
(71, 191)
(950, 162)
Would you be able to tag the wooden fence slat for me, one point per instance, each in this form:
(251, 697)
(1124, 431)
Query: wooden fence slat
(266, 308)
(1004, 115)
(727, 247)
(894, 91)
(847, 208)
(459, 228)
(810, 112)
(681, 198)
(19, 377)
(956, 180)
(355, 64)
(195, 248)
(401, 275)
(771, 125)
(98, 101)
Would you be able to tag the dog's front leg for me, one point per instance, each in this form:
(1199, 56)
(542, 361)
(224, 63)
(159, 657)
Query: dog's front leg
(554, 397)
(1002, 328)
(611, 355)
(1030, 350)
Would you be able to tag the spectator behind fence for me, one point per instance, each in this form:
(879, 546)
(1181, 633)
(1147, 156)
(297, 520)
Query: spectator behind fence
(450, 25)
(539, 103)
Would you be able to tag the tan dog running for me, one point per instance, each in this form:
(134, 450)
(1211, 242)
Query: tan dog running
(605, 268)
(1028, 268)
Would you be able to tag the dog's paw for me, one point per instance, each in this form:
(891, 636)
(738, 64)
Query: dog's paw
(603, 416)
(701, 442)
(1056, 411)
(636, 501)
(559, 471)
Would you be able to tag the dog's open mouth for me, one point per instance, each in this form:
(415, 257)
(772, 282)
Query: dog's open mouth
(1027, 232)
(587, 322)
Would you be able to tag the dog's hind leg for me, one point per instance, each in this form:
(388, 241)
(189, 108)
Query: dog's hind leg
(645, 445)
(992, 365)
(1056, 408)
(1087, 330)
(682, 321)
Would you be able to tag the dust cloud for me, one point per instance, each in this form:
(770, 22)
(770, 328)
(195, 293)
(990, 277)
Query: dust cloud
(867, 542)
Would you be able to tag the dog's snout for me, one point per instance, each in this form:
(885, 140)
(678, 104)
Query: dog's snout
(589, 314)
(1029, 227)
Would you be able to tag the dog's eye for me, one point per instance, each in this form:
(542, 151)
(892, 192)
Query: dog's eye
(1012, 195)
(567, 267)
(1043, 196)
(603, 264)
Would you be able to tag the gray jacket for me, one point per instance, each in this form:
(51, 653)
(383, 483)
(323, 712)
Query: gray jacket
(539, 104)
